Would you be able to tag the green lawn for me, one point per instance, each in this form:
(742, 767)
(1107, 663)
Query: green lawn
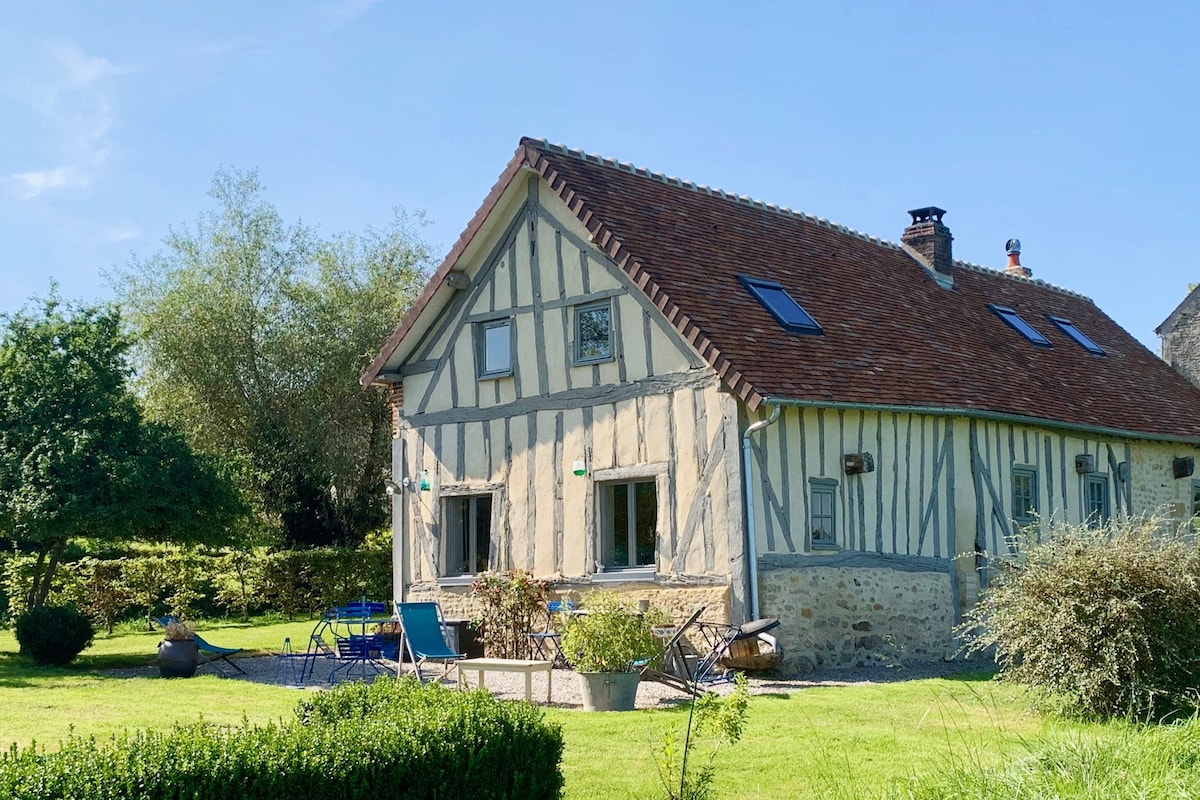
(862, 741)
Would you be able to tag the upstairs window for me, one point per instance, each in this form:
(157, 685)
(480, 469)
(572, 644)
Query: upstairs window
(823, 510)
(783, 307)
(1019, 325)
(593, 333)
(494, 342)
(1095, 501)
(1024, 495)
(1081, 338)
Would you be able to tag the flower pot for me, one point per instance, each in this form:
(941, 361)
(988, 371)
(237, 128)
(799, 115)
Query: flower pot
(609, 691)
(177, 658)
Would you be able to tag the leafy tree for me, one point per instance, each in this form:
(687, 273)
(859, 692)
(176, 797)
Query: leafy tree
(76, 457)
(253, 334)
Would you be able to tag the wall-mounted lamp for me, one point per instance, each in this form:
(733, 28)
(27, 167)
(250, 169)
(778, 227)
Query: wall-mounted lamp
(579, 468)
(391, 487)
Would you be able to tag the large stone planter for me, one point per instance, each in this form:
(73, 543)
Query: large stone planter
(609, 691)
(177, 658)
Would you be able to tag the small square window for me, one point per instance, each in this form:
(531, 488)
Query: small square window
(468, 534)
(494, 341)
(1081, 338)
(782, 306)
(1014, 321)
(1025, 497)
(593, 333)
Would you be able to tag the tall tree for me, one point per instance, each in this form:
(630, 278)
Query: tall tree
(252, 335)
(76, 456)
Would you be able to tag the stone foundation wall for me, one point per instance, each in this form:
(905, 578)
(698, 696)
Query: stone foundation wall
(851, 616)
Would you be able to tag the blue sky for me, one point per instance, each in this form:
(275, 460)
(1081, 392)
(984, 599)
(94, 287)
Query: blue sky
(1069, 125)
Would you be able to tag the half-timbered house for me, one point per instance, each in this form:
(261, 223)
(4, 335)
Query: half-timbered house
(623, 380)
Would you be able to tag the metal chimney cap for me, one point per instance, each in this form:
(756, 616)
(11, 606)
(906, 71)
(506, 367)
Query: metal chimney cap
(1012, 246)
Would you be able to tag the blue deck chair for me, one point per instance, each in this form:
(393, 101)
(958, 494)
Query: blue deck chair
(423, 630)
(209, 653)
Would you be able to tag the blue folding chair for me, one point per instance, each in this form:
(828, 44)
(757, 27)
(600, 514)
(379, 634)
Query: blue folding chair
(423, 630)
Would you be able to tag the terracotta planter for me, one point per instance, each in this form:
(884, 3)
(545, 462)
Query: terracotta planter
(177, 658)
(609, 691)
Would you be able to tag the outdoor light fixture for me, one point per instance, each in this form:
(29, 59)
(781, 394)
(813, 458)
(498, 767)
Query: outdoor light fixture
(579, 468)
(391, 487)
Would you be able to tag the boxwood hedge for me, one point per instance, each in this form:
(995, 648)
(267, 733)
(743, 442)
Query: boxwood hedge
(392, 739)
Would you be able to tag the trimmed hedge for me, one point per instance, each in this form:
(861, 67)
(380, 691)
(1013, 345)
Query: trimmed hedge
(53, 635)
(392, 739)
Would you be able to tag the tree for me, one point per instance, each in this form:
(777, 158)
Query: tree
(252, 336)
(76, 456)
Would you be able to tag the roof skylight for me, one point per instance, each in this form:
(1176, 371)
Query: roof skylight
(1019, 325)
(1079, 336)
(783, 307)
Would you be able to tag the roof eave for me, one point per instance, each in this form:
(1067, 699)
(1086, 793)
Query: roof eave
(983, 414)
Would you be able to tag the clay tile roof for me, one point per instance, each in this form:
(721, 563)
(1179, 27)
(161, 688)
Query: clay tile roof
(892, 336)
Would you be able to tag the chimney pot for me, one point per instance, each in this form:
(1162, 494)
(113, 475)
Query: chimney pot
(929, 237)
(1013, 248)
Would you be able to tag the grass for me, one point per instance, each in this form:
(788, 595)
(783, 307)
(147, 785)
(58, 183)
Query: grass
(46, 704)
(965, 737)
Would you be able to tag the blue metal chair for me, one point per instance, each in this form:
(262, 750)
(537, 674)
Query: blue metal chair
(424, 636)
(546, 645)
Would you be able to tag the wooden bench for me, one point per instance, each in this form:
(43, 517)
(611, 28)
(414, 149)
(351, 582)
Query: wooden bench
(482, 665)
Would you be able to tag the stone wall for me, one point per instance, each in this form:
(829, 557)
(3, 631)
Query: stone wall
(839, 616)
(1155, 488)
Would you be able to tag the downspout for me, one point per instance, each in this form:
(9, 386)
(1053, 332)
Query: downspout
(751, 539)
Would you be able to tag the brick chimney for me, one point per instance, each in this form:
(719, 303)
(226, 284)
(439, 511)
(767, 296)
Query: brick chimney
(929, 237)
(1013, 248)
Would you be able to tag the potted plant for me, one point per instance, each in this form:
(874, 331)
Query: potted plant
(608, 645)
(178, 655)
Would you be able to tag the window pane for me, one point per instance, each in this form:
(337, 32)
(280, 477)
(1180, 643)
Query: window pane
(821, 502)
(593, 333)
(497, 348)
(615, 536)
(1020, 325)
(646, 500)
(782, 306)
(1081, 338)
(457, 533)
(483, 531)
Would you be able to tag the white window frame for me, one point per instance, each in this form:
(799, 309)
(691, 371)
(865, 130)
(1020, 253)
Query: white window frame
(469, 498)
(577, 347)
(481, 329)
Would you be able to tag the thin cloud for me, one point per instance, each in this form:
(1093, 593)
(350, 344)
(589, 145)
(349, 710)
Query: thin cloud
(74, 106)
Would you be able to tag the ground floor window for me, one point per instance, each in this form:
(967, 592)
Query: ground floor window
(467, 533)
(1095, 501)
(628, 524)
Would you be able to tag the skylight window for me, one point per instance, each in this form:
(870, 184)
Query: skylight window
(783, 307)
(1079, 336)
(1019, 325)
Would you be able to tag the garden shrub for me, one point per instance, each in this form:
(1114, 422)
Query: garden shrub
(514, 602)
(54, 635)
(391, 739)
(1104, 618)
